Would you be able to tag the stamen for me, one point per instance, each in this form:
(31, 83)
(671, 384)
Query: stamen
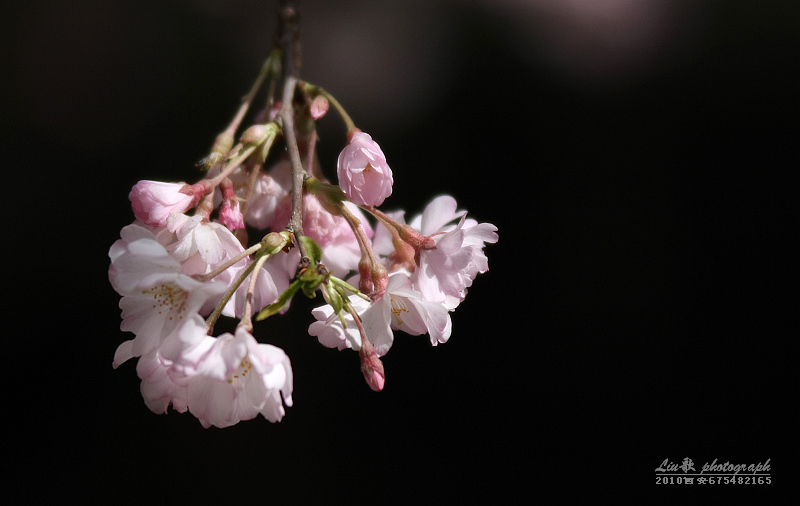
(168, 297)
(244, 368)
(398, 307)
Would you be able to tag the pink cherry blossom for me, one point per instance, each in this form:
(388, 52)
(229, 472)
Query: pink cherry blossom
(328, 328)
(232, 378)
(412, 313)
(446, 271)
(400, 308)
(364, 176)
(201, 247)
(156, 295)
(264, 198)
(153, 201)
(159, 387)
(220, 380)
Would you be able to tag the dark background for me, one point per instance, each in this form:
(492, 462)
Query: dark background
(636, 157)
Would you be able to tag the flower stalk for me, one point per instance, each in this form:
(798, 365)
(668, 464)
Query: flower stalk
(317, 91)
(224, 141)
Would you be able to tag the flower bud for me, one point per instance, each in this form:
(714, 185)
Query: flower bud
(364, 176)
(275, 241)
(222, 144)
(319, 106)
(371, 366)
(230, 214)
(254, 134)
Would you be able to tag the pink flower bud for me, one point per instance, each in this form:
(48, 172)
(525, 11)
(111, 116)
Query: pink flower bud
(229, 213)
(153, 201)
(319, 106)
(371, 366)
(364, 176)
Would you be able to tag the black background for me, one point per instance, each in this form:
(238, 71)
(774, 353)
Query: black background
(637, 303)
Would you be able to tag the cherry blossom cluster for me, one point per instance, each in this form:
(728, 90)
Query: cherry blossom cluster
(263, 225)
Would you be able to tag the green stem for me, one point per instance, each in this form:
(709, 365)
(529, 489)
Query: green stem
(211, 275)
(214, 316)
(274, 56)
(232, 165)
(247, 320)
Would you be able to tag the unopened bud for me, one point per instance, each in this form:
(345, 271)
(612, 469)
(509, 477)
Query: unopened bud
(230, 215)
(371, 366)
(254, 134)
(319, 106)
(275, 241)
(364, 176)
(222, 144)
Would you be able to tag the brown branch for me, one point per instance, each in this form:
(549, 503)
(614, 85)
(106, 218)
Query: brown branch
(298, 172)
(290, 42)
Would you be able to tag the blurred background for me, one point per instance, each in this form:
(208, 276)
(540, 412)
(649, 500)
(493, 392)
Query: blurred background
(636, 156)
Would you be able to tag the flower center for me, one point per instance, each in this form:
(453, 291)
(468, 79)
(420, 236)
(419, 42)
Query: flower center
(168, 297)
(398, 308)
(244, 368)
